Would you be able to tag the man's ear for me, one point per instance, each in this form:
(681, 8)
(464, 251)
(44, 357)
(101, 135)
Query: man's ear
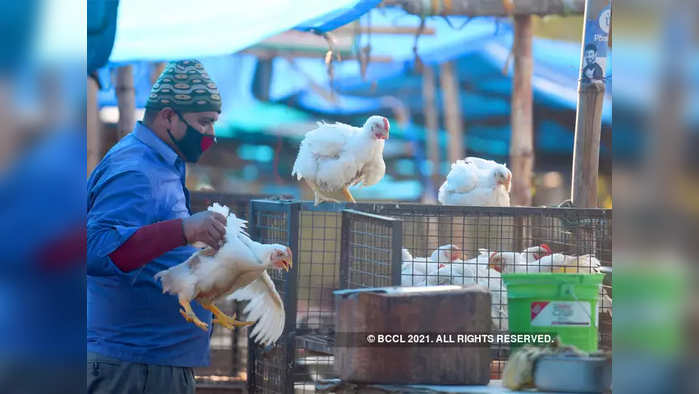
(167, 113)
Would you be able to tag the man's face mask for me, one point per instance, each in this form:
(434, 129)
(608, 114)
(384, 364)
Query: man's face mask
(193, 143)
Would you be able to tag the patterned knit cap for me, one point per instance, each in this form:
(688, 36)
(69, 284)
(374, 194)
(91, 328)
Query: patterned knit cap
(185, 86)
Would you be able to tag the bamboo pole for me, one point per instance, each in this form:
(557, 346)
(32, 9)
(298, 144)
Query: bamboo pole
(588, 119)
(431, 122)
(125, 93)
(452, 111)
(489, 7)
(94, 134)
(521, 146)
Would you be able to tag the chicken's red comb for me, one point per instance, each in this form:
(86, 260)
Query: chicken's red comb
(546, 248)
(490, 265)
(385, 123)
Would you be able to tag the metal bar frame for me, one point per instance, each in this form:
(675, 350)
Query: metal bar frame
(348, 215)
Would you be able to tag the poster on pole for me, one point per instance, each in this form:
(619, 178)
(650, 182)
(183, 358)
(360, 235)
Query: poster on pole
(596, 49)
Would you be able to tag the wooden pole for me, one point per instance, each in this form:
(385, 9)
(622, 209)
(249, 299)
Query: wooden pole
(521, 146)
(489, 7)
(588, 128)
(158, 68)
(94, 132)
(431, 122)
(588, 120)
(452, 111)
(125, 93)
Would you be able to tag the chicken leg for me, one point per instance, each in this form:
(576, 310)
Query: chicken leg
(223, 319)
(190, 316)
(348, 195)
(318, 196)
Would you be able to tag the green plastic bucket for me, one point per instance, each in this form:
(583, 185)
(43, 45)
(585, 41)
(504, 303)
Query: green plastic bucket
(559, 304)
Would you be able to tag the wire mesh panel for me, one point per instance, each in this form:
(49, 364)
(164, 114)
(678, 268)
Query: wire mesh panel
(314, 238)
(270, 369)
(228, 348)
(477, 244)
(369, 256)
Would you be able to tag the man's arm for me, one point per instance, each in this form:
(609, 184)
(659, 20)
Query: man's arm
(151, 241)
(121, 231)
(148, 243)
(120, 207)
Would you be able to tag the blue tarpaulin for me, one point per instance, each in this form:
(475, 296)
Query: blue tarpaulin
(177, 29)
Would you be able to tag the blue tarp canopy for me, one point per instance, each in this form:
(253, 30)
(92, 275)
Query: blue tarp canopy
(176, 29)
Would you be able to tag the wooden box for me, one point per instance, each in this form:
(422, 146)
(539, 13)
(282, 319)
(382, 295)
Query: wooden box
(446, 310)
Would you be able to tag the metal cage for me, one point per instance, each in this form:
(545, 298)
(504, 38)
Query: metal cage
(580, 234)
(336, 248)
(228, 348)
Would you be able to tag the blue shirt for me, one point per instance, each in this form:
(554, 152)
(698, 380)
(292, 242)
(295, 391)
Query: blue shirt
(140, 181)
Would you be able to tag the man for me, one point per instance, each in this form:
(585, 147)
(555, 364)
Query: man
(592, 70)
(139, 224)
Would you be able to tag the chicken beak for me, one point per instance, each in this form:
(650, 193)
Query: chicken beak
(286, 266)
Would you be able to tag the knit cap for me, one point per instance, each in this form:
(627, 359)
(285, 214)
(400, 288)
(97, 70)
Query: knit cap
(185, 86)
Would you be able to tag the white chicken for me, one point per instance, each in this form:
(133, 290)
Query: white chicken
(334, 157)
(508, 262)
(477, 271)
(476, 182)
(236, 269)
(418, 271)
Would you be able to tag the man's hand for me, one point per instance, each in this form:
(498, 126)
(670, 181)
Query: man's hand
(207, 227)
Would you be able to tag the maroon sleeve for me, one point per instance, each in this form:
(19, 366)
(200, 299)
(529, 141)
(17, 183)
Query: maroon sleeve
(147, 243)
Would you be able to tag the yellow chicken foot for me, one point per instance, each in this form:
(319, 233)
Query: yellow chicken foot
(225, 320)
(348, 195)
(190, 316)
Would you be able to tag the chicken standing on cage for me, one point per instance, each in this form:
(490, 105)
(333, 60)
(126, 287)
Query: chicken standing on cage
(237, 269)
(476, 182)
(334, 157)
(417, 271)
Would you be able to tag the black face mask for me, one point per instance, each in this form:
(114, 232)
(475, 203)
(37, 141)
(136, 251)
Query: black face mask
(193, 143)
